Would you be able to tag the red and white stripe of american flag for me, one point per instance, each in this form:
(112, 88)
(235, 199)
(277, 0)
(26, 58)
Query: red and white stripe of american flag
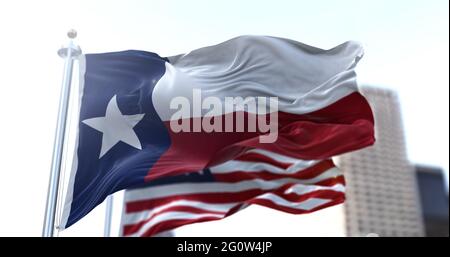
(257, 177)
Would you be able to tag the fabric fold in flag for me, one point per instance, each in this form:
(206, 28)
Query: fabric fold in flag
(132, 130)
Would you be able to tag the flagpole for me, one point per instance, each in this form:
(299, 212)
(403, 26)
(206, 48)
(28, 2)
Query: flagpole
(108, 216)
(69, 53)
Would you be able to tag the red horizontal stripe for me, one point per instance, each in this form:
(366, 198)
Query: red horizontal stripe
(171, 224)
(343, 126)
(295, 198)
(130, 229)
(339, 198)
(332, 181)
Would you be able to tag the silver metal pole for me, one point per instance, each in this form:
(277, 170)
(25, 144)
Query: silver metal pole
(108, 216)
(69, 53)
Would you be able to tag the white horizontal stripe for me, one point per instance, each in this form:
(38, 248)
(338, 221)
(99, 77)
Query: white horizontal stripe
(172, 216)
(220, 187)
(304, 189)
(135, 217)
(233, 166)
(275, 156)
(251, 66)
(309, 204)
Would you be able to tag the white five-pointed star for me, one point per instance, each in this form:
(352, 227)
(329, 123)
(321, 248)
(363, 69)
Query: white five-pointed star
(115, 127)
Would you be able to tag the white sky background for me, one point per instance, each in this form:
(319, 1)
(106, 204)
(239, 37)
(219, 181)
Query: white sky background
(406, 43)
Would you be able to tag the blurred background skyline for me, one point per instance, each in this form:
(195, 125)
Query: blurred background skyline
(406, 45)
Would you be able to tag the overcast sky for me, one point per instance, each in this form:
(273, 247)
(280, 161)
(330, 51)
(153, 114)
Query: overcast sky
(406, 44)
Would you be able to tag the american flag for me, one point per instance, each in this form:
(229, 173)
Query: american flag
(256, 177)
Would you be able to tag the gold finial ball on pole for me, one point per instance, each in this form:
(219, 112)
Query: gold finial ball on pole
(72, 34)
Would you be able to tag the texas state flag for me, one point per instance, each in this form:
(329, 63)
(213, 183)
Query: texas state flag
(127, 111)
